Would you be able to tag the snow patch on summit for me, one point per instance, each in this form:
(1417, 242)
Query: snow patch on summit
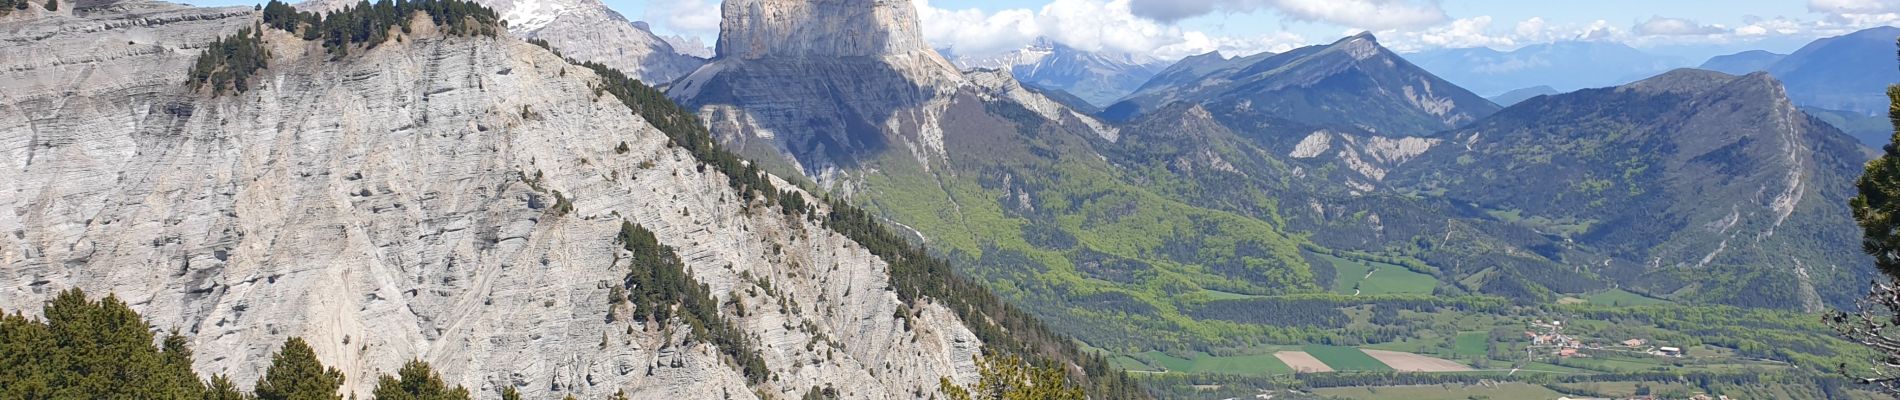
(524, 16)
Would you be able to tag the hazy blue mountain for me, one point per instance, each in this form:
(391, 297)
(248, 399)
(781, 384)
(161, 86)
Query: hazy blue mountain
(1871, 130)
(1336, 86)
(1743, 62)
(1192, 70)
(1516, 96)
(1097, 77)
(1848, 73)
(1564, 66)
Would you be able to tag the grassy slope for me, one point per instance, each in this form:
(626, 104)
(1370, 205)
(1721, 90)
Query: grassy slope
(1124, 226)
(1620, 297)
(1389, 278)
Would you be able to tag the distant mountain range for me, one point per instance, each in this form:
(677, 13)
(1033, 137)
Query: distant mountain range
(1840, 79)
(1097, 77)
(1515, 96)
(1564, 66)
(1689, 182)
(1848, 73)
(1315, 86)
(1743, 63)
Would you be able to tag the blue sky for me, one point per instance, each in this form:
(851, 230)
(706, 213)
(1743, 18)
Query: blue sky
(1174, 28)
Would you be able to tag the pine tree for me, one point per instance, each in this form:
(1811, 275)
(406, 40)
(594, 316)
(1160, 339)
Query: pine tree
(1877, 208)
(88, 349)
(27, 358)
(509, 393)
(1877, 211)
(295, 374)
(221, 388)
(415, 381)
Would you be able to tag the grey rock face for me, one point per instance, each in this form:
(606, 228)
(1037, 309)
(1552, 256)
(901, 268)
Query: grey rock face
(1097, 77)
(585, 30)
(830, 86)
(394, 206)
(818, 28)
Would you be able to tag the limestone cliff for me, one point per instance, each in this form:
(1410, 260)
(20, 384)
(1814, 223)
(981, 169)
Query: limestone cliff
(830, 87)
(585, 30)
(397, 204)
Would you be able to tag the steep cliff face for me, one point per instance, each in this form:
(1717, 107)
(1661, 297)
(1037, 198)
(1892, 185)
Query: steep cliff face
(754, 29)
(587, 30)
(401, 204)
(823, 85)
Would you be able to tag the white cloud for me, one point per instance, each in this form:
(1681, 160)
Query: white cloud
(1532, 27)
(1758, 27)
(1368, 14)
(1171, 11)
(688, 17)
(1091, 25)
(1854, 6)
(1479, 32)
(1365, 14)
(1662, 26)
(1857, 12)
(1465, 32)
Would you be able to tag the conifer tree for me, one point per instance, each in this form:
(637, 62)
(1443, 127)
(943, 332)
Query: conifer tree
(415, 381)
(1877, 211)
(87, 349)
(221, 388)
(295, 374)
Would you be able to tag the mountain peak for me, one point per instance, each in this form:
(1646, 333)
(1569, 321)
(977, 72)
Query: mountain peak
(1686, 80)
(1361, 46)
(1209, 56)
(754, 29)
(1327, 86)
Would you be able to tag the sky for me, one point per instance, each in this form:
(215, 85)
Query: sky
(1171, 29)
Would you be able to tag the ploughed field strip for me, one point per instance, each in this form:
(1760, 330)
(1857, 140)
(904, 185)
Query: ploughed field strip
(1408, 362)
(1302, 362)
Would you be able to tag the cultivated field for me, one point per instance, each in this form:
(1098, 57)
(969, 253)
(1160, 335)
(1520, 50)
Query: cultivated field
(1444, 392)
(1204, 363)
(1345, 358)
(1408, 362)
(1302, 362)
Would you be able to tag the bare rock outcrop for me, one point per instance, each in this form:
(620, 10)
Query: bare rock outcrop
(585, 30)
(396, 205)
